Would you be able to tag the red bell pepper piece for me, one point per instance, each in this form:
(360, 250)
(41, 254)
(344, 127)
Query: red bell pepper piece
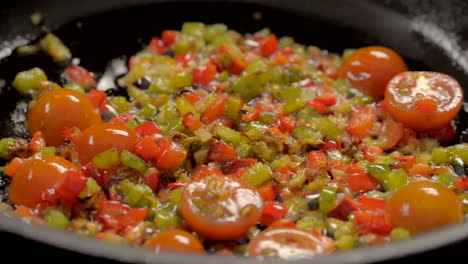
(74, 183)
(146, 148)
(176, 185)
(316, 160)
(371, 204)
(268, 45)
(14, 166)
(222, 152)
(461, 184)
(272, 212)
(122, 119)
(267, 192)
(286, 123)
(37, 142)
(363, 119)
(152, 179)
(98, 99)
(81, 76)
(214, 111)
(362, 182)
(372, 152)
(193, 98)
(390, 134)
(170, 156)
(318, 106)
(186, 59)
(168, 37)
(70, 134)
(204, 74)
(156, 46)
(282, 223)
(343, 209)
(191, 122)
(148, 129)
(366, 222)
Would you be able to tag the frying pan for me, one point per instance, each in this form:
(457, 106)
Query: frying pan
(429, 34)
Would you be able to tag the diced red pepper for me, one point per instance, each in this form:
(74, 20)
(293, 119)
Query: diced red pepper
(326, 99)
(111, 208)
(330, 145)
(363, 119)
(362, 182)
(444, 134)
(273, 132)
(191, 122)
(37, 142)
(372, 152)
(222, 152)
(366, 222)
(253, 114)
(148, 129)
(316, 160)
(268, 45)
(138, 214)
(318, 106)
(100, 176)
(240, 163)
(382, 112)
(343, 209)
(122, 119)
(461, 184)
(168, 37)
(14, 166)
(71, 134)
(282, 223)
(286, 123)
(193, 98)
(176, 185)
(74, 183)
(186, 59)
(409, 159)
(214, 111)
(81, 76)
(371, 204)
(170, 156)
(152, 179)
(238, 65)
(156, 46)
(98, 99)
(421, 169)
(24, 212)
(355, 168)
(267, 192)
(272, 212)
(146, 148)
(390, 134)
(334, 165)
(204, 74)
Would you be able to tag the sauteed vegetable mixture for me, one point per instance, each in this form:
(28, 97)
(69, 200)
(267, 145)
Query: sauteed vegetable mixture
(240, 145)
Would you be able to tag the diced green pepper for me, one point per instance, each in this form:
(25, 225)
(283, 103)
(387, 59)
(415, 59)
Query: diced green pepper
(133, 161)
(75, 87)
(27, 81)
(308, 135)
(148, 111)
(56, 218)
(106, 159)
(194, 29)
(184, 106)
(5, 145)
(53, 46)
(378, 171)
(257, 65)
(264, 150)
(327, 128)
(243, 149)
(294, 105)
(138, 95)
(281, 162)
(447, 179)
(227, 134)
(295, 205)
(120, 104)
(213, 31)
(440, 155)
(248, 87)
(48, 151)
(91, 188)
(258, 174)
(327, 199)
(165, 218)
(460, 151)
(346, 242)
(395, 180)
(400, 234)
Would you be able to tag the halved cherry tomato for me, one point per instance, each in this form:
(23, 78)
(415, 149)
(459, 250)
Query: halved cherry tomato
(38, 176)
(423, 101)
(80, 76)
(60, 109)
(102, 137)
(370, 69)
(220, 208)
(175, 240)
(287, 243)
(422, 206)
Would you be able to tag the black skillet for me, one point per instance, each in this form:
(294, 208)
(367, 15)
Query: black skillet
(429, 34)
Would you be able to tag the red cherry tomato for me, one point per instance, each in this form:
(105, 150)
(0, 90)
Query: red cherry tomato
(370, 69)
(175, 240)
(102, 137)
(38, 176)
(287, 243)
(422, 206)
(423, 101)
(220, 208)
(60, 109)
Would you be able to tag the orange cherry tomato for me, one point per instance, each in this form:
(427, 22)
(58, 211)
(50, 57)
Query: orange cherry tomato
(422, 206)
(60, 109)
(370, 69)
(102, 137)
(423, 101)
(220, 208)
(175, 240)
(287, 243)
(38, 176)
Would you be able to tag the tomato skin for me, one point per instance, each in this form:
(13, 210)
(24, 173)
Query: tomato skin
(423, 101)
(220, 193)
(287, 243)
(60, 109)
(369, 69)
(422, 206)
(36, 177)
(102, 137)
(175, 240)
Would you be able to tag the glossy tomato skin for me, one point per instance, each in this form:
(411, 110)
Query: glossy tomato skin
(423, 101)
(175, 240)
(220, 208)
(369, 69)
(287, 243)
(422, 206)
(60, 109)
(38, 176)
(102, 137)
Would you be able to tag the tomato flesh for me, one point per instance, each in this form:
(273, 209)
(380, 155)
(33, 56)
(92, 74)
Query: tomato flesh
(370, 69)
(60, 109)
(423, 101)
(422, 206)
(38, 176)
(102, 137)
(287, 243)
(220, 208)
(175, 240)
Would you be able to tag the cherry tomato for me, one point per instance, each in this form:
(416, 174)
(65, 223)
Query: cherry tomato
(423, 100)
(175, 240)
(60, 109)
(287, 243)
(422, 206)
(38, 176)
(370, 69)
(220, 208)
(102, 137)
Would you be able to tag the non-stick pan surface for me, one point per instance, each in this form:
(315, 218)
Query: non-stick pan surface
(102, 34)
